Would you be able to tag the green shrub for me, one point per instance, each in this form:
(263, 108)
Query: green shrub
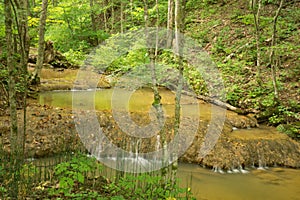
(146, 186)
(72, 174)
(292, 130)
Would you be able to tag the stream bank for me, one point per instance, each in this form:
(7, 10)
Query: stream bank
(51, 130)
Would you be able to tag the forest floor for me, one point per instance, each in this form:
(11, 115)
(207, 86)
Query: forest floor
(227, 32)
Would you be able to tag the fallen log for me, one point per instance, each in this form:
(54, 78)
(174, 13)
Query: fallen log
(211, 100)
(222, 104)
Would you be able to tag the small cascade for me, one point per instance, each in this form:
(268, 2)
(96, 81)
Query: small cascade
(130, 150)
(235, 170)
(157, 158)
(235, 166)
(261, 165)
(261, 161)
(218, 169)
(243, 171)
(158, 145)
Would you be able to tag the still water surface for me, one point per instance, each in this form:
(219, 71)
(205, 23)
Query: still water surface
(268, 184)
(139, 101)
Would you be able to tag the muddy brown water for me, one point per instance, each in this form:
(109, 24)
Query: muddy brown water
(270, 183)
(267, 184)
(140, 100)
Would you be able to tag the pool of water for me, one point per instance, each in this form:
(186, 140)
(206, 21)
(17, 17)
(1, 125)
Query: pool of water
(267, 184)
(137, 101)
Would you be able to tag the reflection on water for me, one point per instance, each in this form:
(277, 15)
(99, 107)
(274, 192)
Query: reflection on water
(139, 101)
(272, 183)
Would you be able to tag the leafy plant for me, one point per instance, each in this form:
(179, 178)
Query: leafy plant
(2, 188)
(76, 57)
(292, 130)
(73, 173)
(284, 114)
(146, 186)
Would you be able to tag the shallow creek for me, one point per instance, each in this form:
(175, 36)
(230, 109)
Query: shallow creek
(140, 100)
(258, 184)
(266, 183)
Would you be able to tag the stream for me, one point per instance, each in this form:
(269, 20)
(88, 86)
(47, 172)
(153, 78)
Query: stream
(271, 183)
(264, 183)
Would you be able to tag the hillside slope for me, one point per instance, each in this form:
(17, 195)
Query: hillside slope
(226, 30)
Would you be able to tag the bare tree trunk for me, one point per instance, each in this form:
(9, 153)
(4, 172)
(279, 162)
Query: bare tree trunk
(15, 43)
(11, 66)
(256, 8)
(93, 20)
(21, 15)
(272, 53)
(170, 23)
(112, 16)
(178, 51)
(104, 16)
(131, 9)
(41, 49)
(157, 98)
(122, 16)
(25, 42)
(20, 9)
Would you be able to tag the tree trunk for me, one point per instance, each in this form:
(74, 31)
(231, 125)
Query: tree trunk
(170, 23)
(178, 51)
(94, 23)
(25, 45)
(256, 8)
(157, 98)
(112, 16)
(104, 17)
(272, 53)
(131, 10)
(122, 17)
(22, 26)
(11, 67)
(41, 49)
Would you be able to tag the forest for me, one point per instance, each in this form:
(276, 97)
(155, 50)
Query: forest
(254, 46)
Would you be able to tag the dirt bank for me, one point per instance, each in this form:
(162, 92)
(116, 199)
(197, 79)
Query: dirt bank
(52, 130)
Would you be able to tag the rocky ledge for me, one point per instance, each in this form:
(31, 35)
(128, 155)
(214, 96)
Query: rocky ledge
(241, 143)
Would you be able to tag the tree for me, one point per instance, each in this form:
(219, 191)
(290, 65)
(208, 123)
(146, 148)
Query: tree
(41, 48)
(11, 67)
(16, 13)
(93, 21)
(256, 9)
(170, 22)
(179, 26)
(273, 60)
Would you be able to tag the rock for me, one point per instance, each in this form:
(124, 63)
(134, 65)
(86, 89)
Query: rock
(103, 82)
(51, 131)
(241, 121)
